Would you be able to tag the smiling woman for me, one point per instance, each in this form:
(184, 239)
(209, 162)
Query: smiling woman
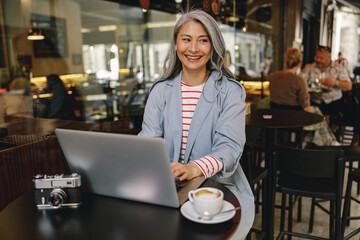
(199, 109)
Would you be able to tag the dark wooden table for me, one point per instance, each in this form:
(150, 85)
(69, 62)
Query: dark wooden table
(106, 218)
(272, 119)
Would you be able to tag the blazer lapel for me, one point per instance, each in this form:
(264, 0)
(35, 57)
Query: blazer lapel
(176, 116)
(205, 103)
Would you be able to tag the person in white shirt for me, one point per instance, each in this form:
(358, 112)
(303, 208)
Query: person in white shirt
(331, 77)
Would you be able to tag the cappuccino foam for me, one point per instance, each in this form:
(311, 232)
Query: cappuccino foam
(207, 195)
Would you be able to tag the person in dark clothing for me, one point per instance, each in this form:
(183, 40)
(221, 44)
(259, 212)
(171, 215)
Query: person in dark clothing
(61, 104)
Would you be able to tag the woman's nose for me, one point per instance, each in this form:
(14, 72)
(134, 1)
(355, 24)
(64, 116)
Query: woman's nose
(193, 46)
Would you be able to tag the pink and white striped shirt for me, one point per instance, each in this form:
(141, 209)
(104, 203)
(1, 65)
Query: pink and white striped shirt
(208, 165)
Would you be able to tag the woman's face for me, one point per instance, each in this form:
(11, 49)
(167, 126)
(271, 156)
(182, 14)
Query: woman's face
(193, 47)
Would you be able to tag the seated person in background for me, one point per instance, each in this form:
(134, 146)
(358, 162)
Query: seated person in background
(335, 80)
(243, 76)
(111, 104)
(288, 90)
(343, 62)
(199, 109)
(61, 104)
(20, 85)
(265, 68)
(356, 73)
(17, 101)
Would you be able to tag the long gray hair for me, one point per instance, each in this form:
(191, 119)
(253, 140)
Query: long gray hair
(172, 64)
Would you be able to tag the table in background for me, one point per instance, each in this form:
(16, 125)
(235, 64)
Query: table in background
(107, 218)
(272, 119)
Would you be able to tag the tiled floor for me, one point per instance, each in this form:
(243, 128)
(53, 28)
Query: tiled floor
(321, 221)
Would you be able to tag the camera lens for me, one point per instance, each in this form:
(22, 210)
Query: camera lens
(57, 197)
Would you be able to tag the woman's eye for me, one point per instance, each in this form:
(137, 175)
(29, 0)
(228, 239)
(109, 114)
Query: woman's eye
(186, 39)
(203, 40)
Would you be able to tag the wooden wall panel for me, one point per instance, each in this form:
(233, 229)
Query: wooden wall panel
(19, 165)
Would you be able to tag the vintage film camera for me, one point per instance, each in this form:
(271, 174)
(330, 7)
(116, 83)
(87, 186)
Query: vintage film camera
(52, 192)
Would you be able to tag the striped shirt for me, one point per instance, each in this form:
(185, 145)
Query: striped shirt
(208, 165)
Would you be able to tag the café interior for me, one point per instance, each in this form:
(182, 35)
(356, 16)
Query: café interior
(108, 53)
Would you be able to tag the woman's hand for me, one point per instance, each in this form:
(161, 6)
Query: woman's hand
(185, 171)
(309, 109)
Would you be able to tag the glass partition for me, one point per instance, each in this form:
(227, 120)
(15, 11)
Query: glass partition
(92, 61)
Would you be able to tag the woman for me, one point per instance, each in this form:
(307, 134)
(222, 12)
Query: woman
(199, 109)
(288, 90)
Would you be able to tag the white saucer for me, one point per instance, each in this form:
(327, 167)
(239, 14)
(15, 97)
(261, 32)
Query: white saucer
(188, 211)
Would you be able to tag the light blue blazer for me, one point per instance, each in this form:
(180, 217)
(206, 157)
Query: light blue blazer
(217, 127)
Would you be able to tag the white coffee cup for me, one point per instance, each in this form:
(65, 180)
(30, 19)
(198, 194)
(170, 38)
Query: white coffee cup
(206, 200)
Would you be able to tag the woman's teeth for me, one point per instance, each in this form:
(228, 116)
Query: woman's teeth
(193, 58)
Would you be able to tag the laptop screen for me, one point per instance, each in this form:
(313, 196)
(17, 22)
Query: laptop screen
(120, 165)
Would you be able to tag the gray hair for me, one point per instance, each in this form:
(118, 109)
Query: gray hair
(172, 64)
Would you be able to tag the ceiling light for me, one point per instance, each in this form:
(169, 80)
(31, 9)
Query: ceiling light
(160, 24)
(107, 28)
(233, 19)
(85, 30)
(35, 34)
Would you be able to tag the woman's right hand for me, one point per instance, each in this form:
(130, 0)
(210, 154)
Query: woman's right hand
(185, 171)
(309, 109)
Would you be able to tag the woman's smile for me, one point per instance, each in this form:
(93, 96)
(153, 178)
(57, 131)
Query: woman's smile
(193, 58)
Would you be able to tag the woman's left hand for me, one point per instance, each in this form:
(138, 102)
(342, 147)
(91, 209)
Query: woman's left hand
(185, 171)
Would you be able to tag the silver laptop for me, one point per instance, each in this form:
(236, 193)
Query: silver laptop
(124, 166)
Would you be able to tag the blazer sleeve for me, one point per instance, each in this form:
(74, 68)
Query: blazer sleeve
(152, 125)
(229, 138)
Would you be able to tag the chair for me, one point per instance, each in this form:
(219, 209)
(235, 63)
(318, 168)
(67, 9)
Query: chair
(348, 134)
(351, 155)
(255, 175)
(253, 172)
(349, 114)
(354, 176)
(309, 173)
(257, 148)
